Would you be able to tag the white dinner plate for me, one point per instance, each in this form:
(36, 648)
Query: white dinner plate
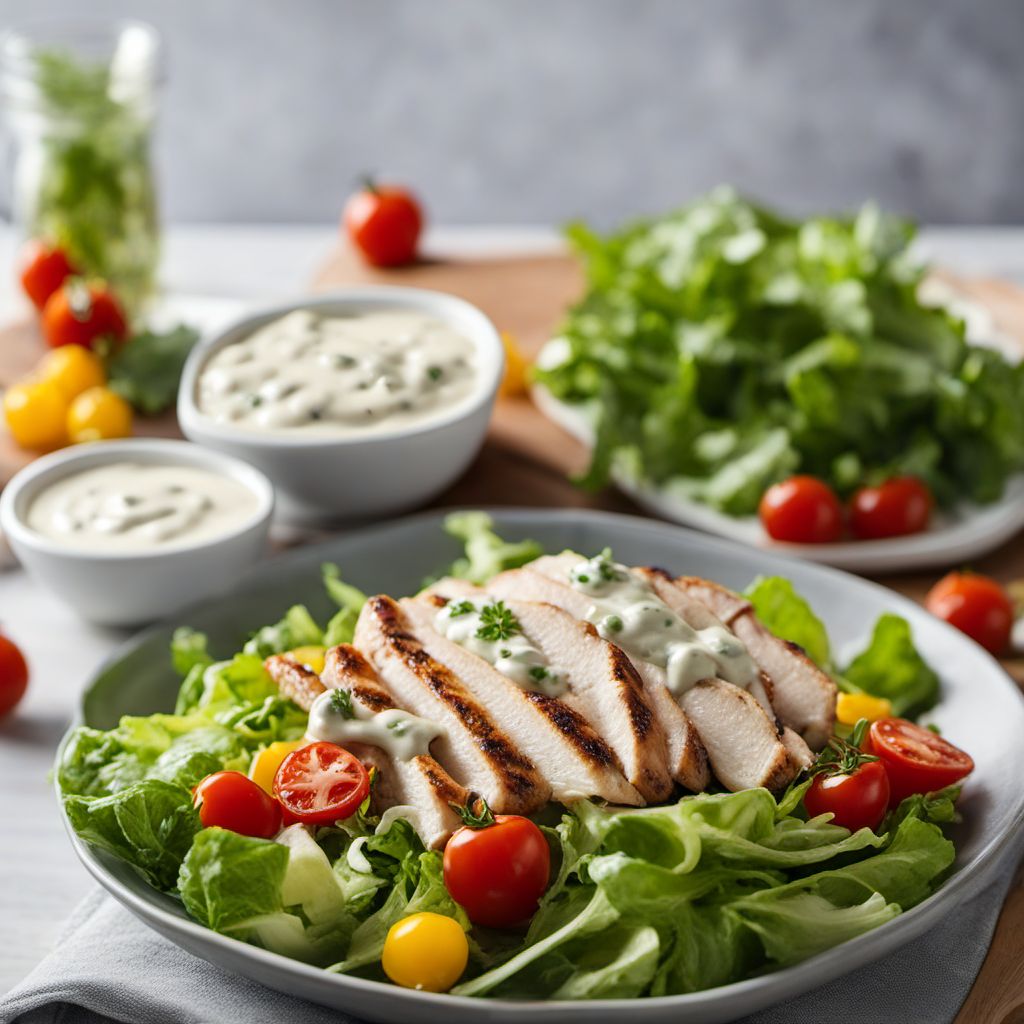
(981, 710)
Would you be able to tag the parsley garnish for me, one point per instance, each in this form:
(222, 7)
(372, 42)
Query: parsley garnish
(399, 727)
(538, 673)
(497, 622)
(614, 623)
(341, 703)
(434, 372)
(457, 608)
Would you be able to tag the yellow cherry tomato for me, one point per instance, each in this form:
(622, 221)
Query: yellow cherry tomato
(425, 951)
(516, 365)
(311, 656)
(73, 369)
(852, 707)
(98, 415)
(265, 764)
(36, 412)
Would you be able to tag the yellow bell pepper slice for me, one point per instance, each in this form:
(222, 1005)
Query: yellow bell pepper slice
(852, 707)
(265, 764)
(312, 657)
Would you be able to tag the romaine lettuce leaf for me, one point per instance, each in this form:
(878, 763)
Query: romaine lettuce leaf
(891, 667)
(486, 553)
(784, 612)
(150, 825)
(227, 881)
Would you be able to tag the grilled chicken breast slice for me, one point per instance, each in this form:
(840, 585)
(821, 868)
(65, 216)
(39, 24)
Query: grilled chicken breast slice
(603, 686)
(475, 750)
(737, 729)
(419, 782)
(803, 696)
(743, 748)
(571, 754)
(687, 759)
(800, 755)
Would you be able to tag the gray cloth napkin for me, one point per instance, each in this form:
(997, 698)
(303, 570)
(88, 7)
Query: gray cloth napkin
(108, 966)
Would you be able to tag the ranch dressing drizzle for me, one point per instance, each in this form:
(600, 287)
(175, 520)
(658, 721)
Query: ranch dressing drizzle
(627, 612)
(339, 720)
(337, 376)
(489, 630)
(127, 506)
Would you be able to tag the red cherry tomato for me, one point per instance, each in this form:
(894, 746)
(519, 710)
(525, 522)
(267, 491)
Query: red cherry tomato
(802, 510)
(384, 222)
(977, 605)
(320, 784)
(897, 507)
(44, 269)
(499, 872)
(13, 675)
(231, 800)
(858, 799)
(83, 314)
(916, 760)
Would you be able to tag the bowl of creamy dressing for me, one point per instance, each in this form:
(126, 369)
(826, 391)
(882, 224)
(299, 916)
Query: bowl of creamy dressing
(129, 531)
(356, 403)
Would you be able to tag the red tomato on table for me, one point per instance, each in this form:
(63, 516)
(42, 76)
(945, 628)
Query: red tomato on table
(83, 314)
(320, 784)
(802, 510)
(916, 759)
(894, 508)
(44, 269)
(13, 675)
(977, 605)
(384, 223)
(231, 800)
(498, 870)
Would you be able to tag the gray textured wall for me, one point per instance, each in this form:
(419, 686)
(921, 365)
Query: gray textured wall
(541, 110)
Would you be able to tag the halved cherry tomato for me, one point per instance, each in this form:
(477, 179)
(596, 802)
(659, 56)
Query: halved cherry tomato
(916, 760)
(498, 872)
(802, 510)
(894, 508)
(384, 223)
(79, 313)
(977, 605)
(230, 800)
(858, 799)
(44, 269)
(13, 675)
(321, 783)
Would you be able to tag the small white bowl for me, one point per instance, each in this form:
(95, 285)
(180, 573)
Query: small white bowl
(130, 588)
(322, 478)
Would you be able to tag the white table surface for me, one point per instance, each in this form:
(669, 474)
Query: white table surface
(40, 878)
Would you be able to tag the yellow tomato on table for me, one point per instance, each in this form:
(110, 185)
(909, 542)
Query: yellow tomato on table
(73, 369)
(36, 414)
(98, 415)
(425, 951)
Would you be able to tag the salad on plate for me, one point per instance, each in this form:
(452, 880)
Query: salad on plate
(726, 358)
(544, 775)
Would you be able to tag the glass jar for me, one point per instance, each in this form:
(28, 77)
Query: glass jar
(80, 103)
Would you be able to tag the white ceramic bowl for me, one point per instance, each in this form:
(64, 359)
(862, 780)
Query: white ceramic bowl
(129, 588)
(322, 478)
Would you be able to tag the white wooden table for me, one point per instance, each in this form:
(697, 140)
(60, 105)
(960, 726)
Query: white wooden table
(40, 879)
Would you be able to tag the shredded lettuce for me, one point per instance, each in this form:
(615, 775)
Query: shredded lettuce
(486, 554)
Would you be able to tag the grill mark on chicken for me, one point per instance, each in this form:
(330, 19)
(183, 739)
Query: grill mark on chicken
(641, 718)
(518, 772)
(295, 681)
(575, 728)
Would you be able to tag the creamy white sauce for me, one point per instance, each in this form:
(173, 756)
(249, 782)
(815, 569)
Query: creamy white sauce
(401, 735)
(628, 612)
(490, 631)
(335, 375)
(357, 859)
(127, 506)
